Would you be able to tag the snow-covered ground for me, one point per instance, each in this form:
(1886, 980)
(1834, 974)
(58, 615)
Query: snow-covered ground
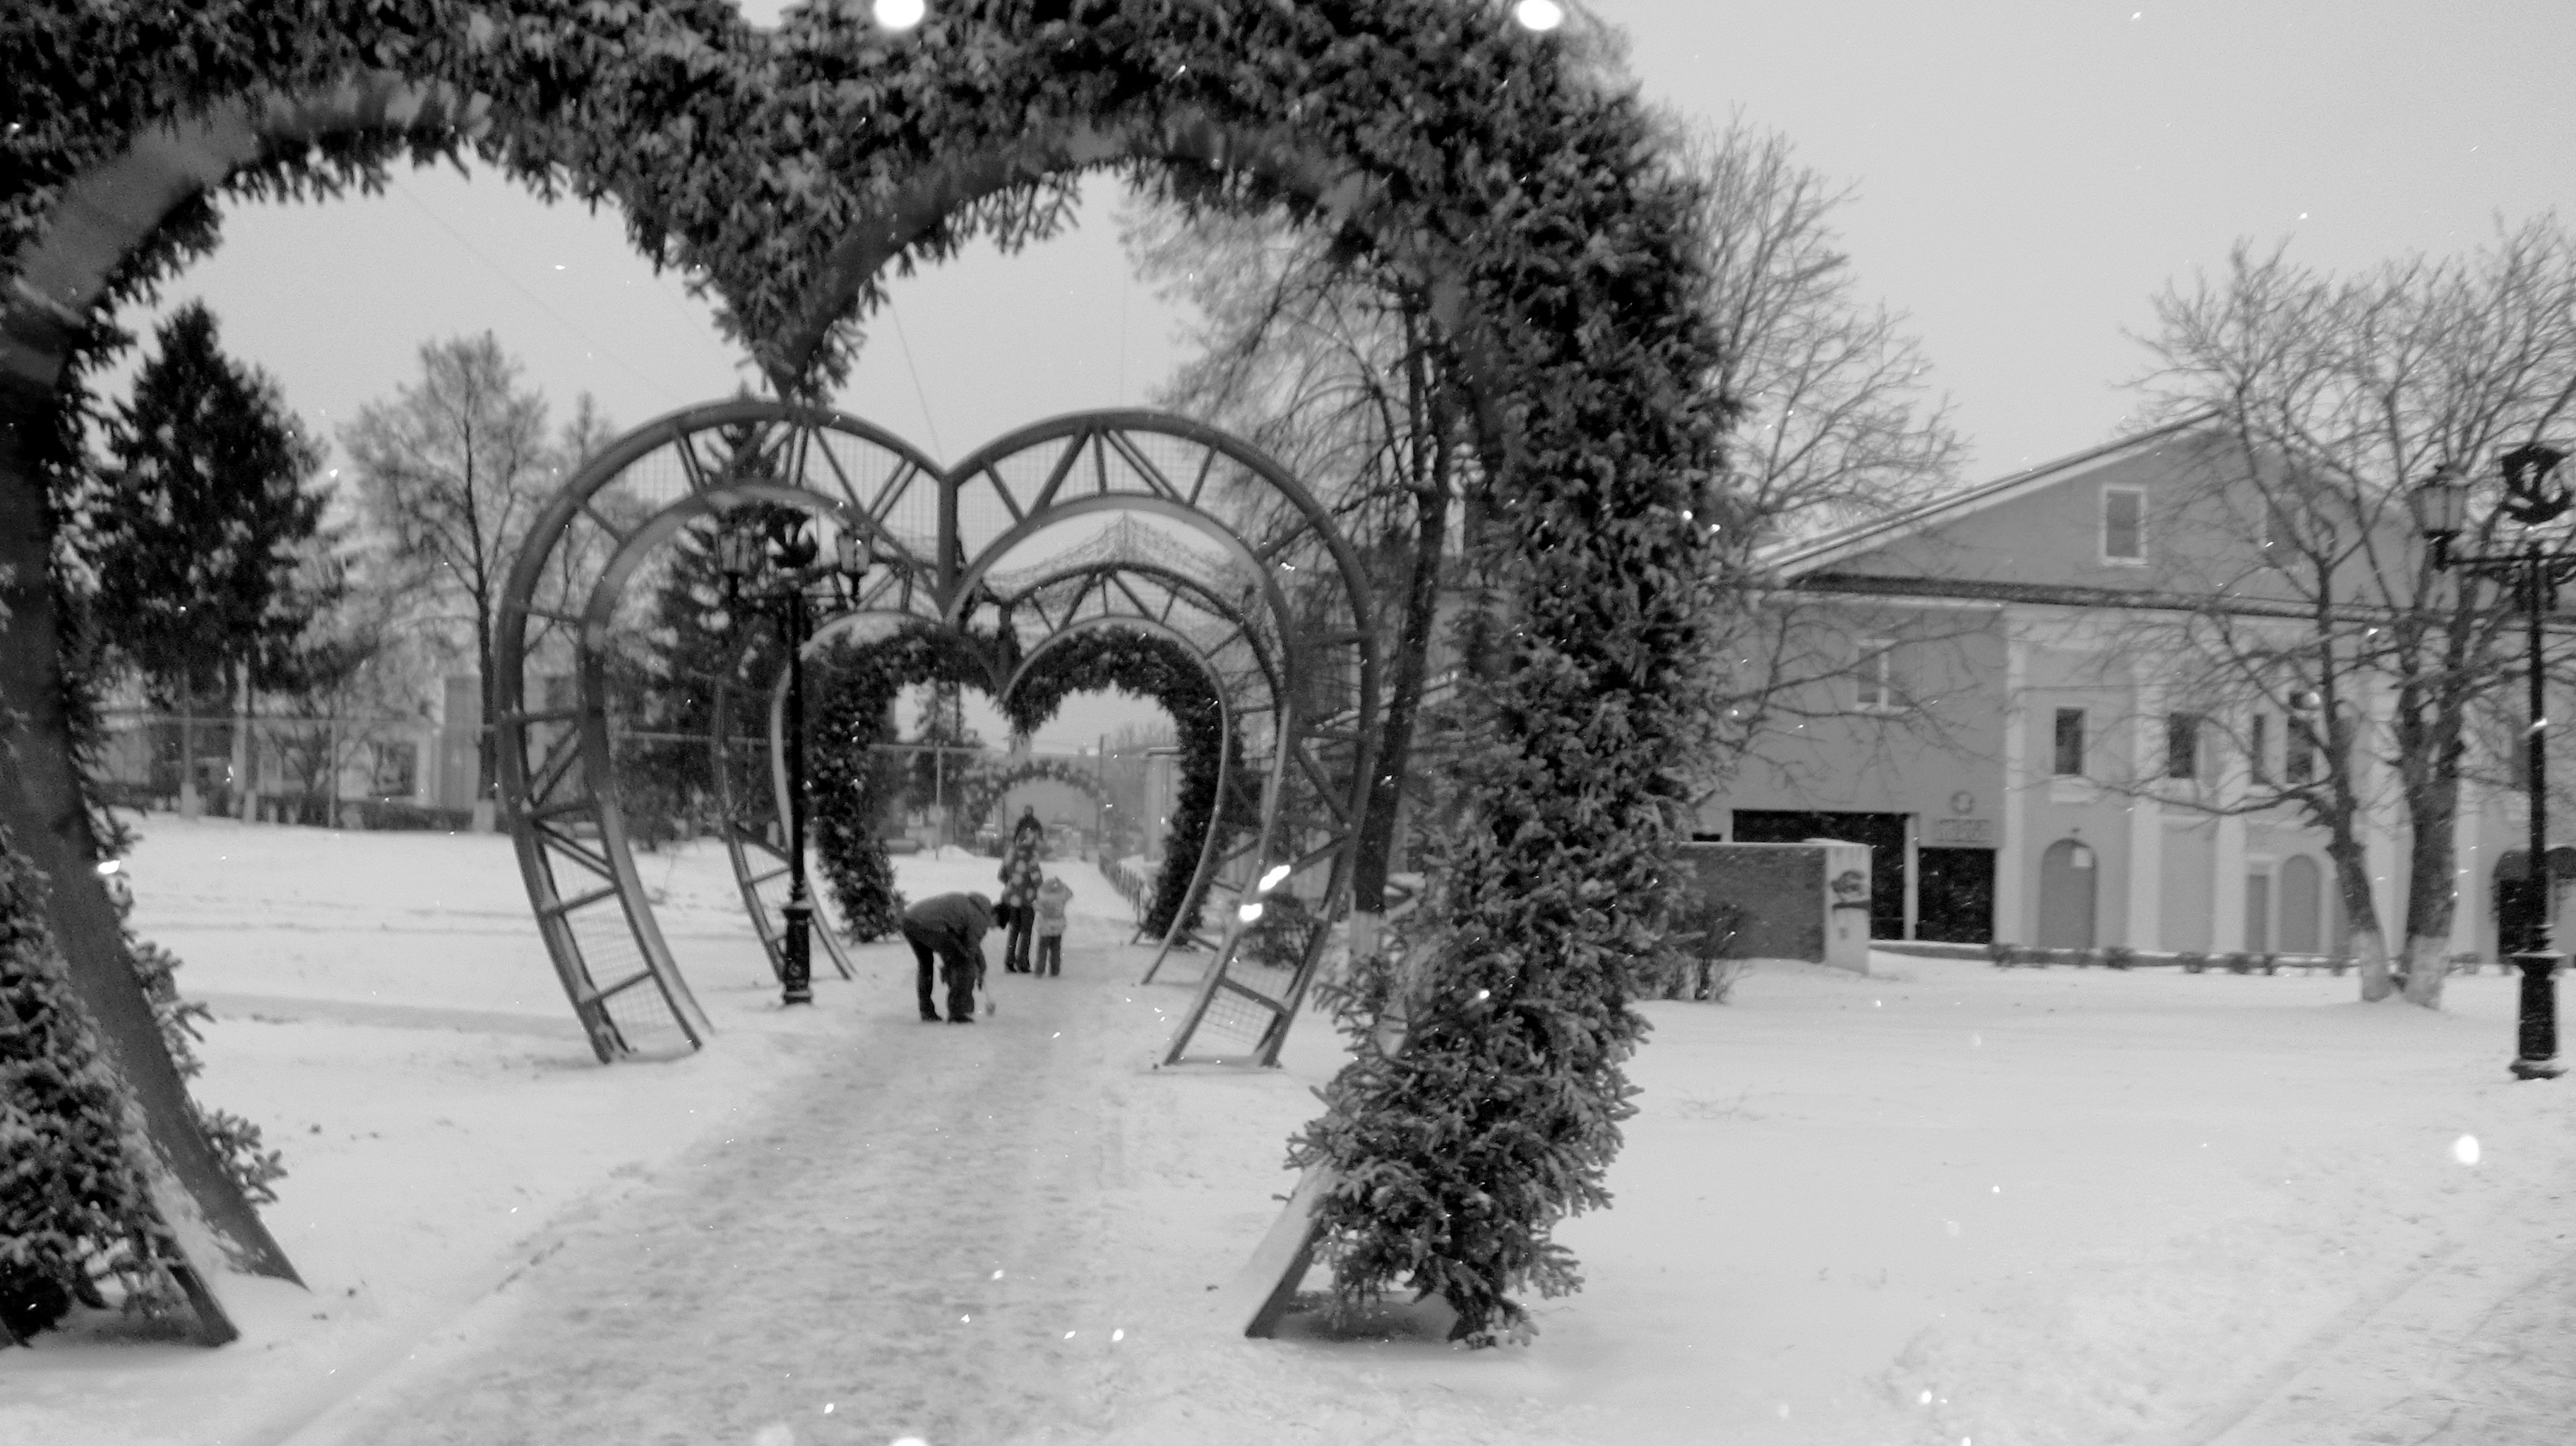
(1942, 1205)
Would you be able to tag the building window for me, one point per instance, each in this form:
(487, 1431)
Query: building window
(2124, 524)
(2258, 748)
(2182, 745)
(2070, 743)
(395, 770)
(2300, 766)
(1875, 677)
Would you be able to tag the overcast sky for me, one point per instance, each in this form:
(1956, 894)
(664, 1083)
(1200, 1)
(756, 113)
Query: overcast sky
(2026, 174)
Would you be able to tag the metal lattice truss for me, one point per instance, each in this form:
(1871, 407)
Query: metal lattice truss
(1135, 521)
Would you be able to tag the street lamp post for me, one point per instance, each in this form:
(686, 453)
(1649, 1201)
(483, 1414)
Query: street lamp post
(2530, 499)
(777, 569)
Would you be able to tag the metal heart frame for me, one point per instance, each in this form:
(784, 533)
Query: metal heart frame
(1127, 520)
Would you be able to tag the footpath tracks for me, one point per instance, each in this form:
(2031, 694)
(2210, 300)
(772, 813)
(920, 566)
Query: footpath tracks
(2473, 1346)
(905, 1238)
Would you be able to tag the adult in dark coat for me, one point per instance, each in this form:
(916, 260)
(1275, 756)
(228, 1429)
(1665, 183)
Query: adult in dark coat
(1021, 874)
(950, 928)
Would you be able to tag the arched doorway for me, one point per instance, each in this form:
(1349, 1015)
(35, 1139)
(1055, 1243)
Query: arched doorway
(2520, 900)
(2302, 906)
(2067, 884)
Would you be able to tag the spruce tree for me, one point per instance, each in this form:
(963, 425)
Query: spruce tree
(200, 529)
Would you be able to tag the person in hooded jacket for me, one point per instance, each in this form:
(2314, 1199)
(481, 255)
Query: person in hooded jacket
(1053, 895)
(1021, 872)
(950, 929)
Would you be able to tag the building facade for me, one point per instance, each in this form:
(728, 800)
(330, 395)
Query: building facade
(2009, 726)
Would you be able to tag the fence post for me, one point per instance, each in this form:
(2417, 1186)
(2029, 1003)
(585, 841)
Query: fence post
(189, 804)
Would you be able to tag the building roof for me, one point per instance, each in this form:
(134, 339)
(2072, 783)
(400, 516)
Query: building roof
(1817, 554)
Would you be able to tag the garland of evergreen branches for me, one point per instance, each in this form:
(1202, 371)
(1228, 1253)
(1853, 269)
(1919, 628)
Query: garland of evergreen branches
(1142, 665)
(74, 1206)
(1526, 197)
(985, 788)
(852, 691)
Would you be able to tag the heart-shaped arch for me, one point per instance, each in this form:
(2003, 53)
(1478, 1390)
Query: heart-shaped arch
(1490, 175)
(1153, 524)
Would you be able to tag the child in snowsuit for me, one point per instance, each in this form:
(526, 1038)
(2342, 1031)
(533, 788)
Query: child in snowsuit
(1052, 897)
(950, 928)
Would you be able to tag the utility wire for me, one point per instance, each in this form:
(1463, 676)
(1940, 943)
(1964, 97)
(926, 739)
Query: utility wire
(918, 394)
(596, 349)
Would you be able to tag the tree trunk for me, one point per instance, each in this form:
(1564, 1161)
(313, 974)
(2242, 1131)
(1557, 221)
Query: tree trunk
(487, 741)
(245, 755)
(2430, 897)
(1404, 699)
(189, 804)
(2378, 981)
(2428, 963)
(2368, 942)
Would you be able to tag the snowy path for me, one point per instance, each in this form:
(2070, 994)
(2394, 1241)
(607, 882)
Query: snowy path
(2475, 1345)
(1007, 1232)
(908, 1239)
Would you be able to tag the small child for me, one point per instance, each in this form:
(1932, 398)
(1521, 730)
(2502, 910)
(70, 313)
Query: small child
(1052, 896)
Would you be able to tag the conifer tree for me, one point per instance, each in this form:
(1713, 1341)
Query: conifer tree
(201, 530)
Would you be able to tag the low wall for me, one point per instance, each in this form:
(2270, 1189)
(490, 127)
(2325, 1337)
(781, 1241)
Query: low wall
(1778, 901)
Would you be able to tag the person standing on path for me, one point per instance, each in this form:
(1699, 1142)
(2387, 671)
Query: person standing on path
(1053, 895)
(1020, 861)
(950, 928)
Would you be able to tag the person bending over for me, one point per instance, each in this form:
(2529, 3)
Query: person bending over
(950, 928)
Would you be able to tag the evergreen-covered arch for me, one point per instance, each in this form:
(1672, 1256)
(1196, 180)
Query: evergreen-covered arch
(1135, 659)
(1489, 171)
(853, 685)
(990, 786)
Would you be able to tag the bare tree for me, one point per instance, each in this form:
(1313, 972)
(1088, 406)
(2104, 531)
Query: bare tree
(1836, 425)
(450, 474)
(1327, 362)
(2338, 395)
(1835, 428)
(364, 670)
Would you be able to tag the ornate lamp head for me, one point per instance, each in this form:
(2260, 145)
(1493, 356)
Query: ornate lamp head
(2441, 503)
(737, 554)
(2530, 498)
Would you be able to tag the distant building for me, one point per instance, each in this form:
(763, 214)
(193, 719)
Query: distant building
(2011, 751)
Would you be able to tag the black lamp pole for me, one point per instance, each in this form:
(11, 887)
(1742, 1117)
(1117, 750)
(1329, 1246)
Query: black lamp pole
(796, 972)
(2529, 500)
(790, 561)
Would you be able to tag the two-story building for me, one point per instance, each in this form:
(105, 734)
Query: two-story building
(2010, 730)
